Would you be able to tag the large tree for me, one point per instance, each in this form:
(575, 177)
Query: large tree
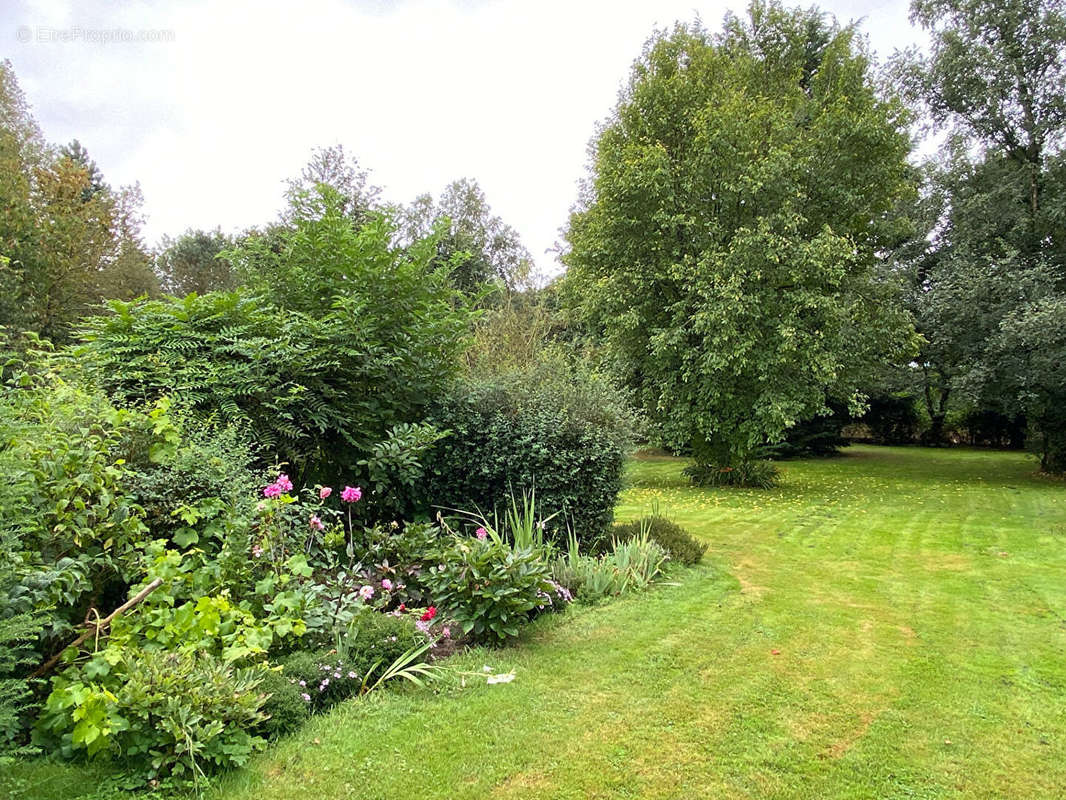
(990, 262)
(482, 247)
(738, 198)
(190, 263)
(71, 240)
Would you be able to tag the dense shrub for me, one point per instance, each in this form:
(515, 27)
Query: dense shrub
(17, 633)
(681, 545)
(163, 713)
(341, 337)
(489, 587)
(817, 437)
(747, 474)
(401, 555)
(192, 481)
(892, 419)
(284, 703)
(378, 638)
(75, 532)
(554, 425)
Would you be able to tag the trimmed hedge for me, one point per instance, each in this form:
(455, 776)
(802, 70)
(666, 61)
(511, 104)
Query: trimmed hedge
(513, 433)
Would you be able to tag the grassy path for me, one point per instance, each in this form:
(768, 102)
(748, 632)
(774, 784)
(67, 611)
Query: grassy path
(889, 624)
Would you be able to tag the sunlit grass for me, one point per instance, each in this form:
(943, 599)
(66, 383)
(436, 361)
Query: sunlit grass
(888, 624)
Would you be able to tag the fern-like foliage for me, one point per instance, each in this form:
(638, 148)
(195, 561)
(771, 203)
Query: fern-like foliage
(338, 337)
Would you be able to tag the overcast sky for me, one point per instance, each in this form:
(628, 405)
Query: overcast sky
(230, 101)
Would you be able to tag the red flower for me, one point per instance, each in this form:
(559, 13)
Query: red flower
(431, 612)
(402, 607)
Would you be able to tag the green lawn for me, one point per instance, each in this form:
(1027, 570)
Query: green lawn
(888, 624)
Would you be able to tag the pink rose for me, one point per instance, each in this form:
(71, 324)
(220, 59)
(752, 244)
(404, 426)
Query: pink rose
(283, 483)
(316, 523)
(324, 492)
(351, 494)
(273, 490)
(386, 584)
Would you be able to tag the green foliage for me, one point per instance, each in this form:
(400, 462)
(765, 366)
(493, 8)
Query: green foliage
(821, 435)
(163, 713)
(1029, 351)
(377, 638)
(190, 263)
(631, 564)
(372, 643)
(678, 543)
(193, 482)
(490, 588)
(749, 474)
(395, 465)
(985, 268)
(209, 624)
(17, 633)
(479, 247)
(401, 554)
(739, 196)
(69, 239)
(554, 425)
(75, 533)
(892, 419)
(321, 364)
(284, 703)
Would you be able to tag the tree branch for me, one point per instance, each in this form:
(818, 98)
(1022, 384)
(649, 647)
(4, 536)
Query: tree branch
(94, 628)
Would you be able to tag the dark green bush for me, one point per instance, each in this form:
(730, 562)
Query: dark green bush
(818, 436)
(679, 544)
(892, 419)
(192, 481)
(553, 426)
(285, 704)
(744, 474)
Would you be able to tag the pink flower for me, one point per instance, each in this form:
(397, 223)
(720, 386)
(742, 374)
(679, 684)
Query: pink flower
(257, 551)
(273, 490)
(386, 584)
(324, 492)
(366, 592)
(284, 483)
(422, 626)
(316, 523)
(446, 631)
(481, 533)
(351, 494)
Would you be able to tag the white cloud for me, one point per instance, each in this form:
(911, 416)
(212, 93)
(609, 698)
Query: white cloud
(423, 92)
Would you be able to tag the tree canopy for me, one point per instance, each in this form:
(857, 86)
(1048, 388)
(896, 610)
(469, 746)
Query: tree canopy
(738, 197)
